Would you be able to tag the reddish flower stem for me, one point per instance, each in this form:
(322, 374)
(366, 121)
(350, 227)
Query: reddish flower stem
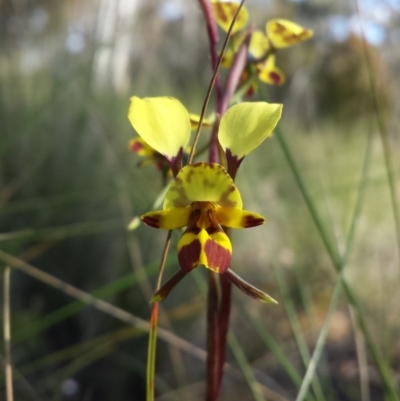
(213, 38)
(223, 319)
(235, 72)
(218, 311)
(213, 340)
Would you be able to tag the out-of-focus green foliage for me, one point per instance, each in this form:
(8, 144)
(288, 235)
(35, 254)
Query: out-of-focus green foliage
(69, 188)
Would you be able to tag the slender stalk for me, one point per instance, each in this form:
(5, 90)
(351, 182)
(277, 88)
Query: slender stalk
(212, 82)
(213, 39)
(7, 336)
(218, 310)
(151, 351)
(223, 319)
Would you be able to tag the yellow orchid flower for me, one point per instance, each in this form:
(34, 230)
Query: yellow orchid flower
(224, 11)
(283, 33)
(269, 73)
(204, 198)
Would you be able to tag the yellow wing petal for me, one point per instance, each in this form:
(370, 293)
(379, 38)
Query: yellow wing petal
(269, 73)
(168, 219)
(244, 126)
(238, 218)
(283, 33)
(224, 13)
(162, 122)
(259, 44)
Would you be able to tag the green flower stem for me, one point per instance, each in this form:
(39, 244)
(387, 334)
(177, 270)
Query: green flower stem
(337, 262)
(151, 351)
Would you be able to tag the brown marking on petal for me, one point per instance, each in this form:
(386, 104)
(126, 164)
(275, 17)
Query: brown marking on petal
(135, 146)
(151, 221)
(219, 12)
(189, 176)
(182, 199)
(233, 163)
(250, 221)
(189, 255)
(194, 217)
(193, 229)
(275, 78)
(218, 257)
(278, 28)
(290, 37)
(212, 230)
(224, 198)
(176, 162)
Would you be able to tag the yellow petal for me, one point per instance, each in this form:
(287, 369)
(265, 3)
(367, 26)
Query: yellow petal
(283, 33)
(259, 44)
(168, 218)
(224, 13)
(202, 182)
(211, 248)
(194, 121)
(238, 218)
(162, 122)
(244, 126)
(270, 73)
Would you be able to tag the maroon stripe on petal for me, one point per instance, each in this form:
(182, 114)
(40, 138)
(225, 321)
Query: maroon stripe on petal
(151, 221)
(251, 221)
(189, 255)
(136, 146)
(218, 257)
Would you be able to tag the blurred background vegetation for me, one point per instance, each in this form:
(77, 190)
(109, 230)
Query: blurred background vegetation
(69, 188)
